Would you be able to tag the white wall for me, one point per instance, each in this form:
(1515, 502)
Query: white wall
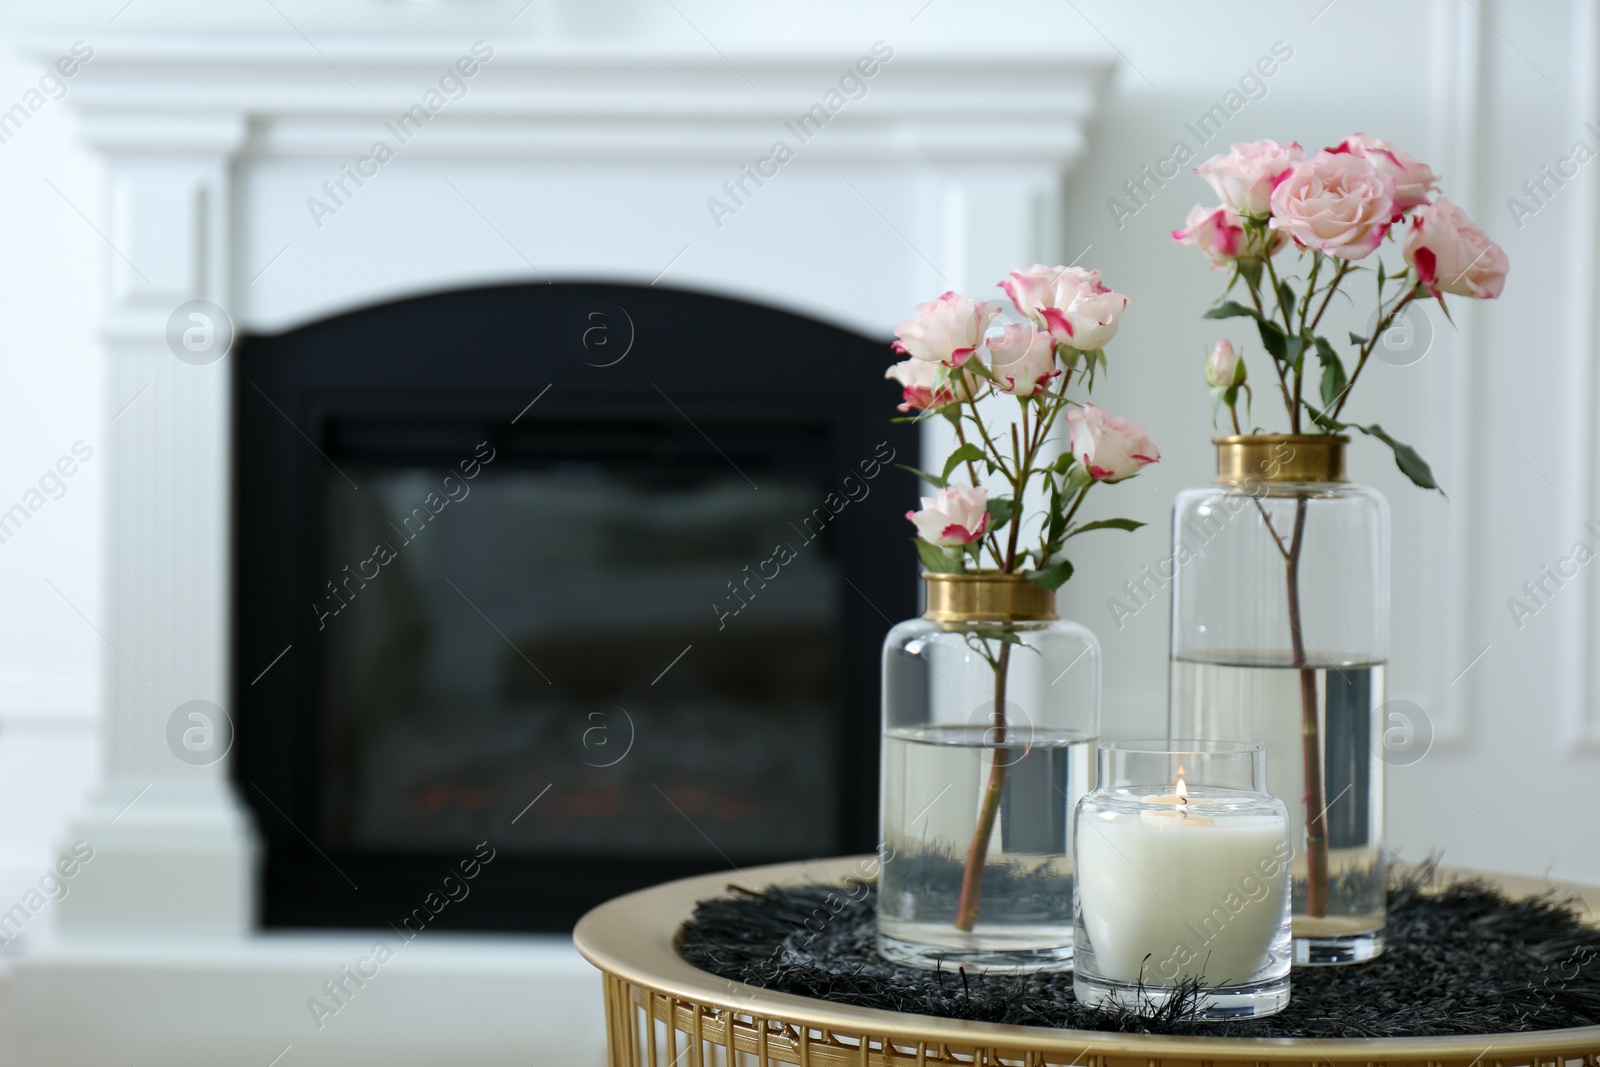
(52, 396)
(1505, 409)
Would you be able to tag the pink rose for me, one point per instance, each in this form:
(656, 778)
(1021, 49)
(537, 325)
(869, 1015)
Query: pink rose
(1023, 359)
(1070, 302)
(918, 390)
(946, 330)
(1220, 234)
(957, 516)
(1414, 180)
(1337, 203)
(1246, 174)
(1224, 368)
(1452, 255)
(1110, 448)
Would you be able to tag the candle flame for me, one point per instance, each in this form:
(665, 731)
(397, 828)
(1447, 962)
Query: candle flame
(1182, 790)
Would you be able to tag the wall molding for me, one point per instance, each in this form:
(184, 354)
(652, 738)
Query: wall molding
(1455, 110)
(1580, 687)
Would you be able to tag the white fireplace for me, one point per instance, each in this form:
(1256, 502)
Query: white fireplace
(244, 169)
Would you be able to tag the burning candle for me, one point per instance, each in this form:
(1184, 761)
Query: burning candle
(1182, 879)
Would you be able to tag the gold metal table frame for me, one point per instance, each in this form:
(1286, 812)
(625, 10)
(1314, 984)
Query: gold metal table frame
(662, 1012)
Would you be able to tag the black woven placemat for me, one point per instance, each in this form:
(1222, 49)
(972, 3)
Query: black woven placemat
(1462, 958)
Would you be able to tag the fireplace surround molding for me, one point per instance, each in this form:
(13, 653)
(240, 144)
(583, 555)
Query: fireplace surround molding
(559, 160)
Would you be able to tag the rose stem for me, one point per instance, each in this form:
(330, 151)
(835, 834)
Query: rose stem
(1316, 815)
(978, 851)
(972, 875)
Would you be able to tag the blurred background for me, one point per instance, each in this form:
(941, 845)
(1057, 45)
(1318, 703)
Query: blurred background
(161, 500)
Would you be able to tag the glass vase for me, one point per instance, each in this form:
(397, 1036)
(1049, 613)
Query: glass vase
(991, 707)
(1280, 635)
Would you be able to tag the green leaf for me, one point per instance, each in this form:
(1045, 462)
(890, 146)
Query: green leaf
(1381, 277)
(1076, 481)
(1294, 352)
(976, 366)
(967, 453)
(1000, 511)
(1231, 309)
(1129, 525)
(1322, 418)
(1411, 464)
(931, 479)
(1273, 340)
(1333, 383)
(1057, 516)
(1333, 376)
(1444, 308)
(1051, 577)
(1357, 340)
(937, 559)
(1250, 270)
(1286, 294)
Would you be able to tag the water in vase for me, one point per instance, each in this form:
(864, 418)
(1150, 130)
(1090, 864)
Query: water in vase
(934, 782)
(1241, 698)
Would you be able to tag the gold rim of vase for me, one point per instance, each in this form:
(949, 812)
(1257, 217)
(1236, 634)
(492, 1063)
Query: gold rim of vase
(1243, 459)
(986, 596)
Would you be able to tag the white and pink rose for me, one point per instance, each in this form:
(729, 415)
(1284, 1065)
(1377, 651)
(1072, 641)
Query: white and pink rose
(1023, 360)
(1452, 254)
(1072, 304)
(1337, 203)
(947, 330)
(1110, 448)
(1414, 180)
(918, 391)
(955, 517)
(1219, 232)
(1245, 175)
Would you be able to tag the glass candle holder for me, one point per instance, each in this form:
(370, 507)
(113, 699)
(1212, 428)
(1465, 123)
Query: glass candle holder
(1182, 888)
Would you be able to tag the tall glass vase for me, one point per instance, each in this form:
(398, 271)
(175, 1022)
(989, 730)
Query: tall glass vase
(1280, 635)
(991, 707)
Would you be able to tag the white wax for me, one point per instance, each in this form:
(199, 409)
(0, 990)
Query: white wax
(1181, 898)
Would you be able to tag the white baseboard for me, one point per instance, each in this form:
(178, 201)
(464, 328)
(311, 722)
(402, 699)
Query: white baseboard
(485, 1000)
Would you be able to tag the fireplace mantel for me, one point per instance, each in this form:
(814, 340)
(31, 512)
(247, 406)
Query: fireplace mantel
(561, 160)
(972, 172)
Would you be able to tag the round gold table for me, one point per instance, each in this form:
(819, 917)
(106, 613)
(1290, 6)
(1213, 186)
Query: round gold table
(661, 1012)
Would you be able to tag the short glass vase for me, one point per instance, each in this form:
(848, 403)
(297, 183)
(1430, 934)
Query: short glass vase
(991, 706)
(1183, 864)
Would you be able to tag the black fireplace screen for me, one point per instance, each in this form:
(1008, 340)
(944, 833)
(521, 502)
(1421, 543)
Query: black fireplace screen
(499, 653)
(616, 620)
